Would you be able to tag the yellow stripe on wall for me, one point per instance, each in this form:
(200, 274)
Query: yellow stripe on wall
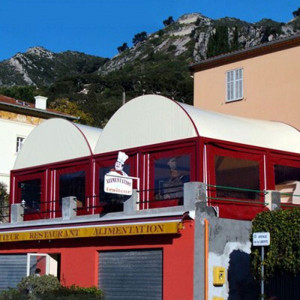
(97, 231)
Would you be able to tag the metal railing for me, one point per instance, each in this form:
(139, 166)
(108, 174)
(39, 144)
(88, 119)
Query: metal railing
(157, 199)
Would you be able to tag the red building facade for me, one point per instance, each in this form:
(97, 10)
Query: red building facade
(148, 238)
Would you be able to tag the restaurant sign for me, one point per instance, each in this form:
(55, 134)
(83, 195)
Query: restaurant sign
(95, 231)
(117, 185)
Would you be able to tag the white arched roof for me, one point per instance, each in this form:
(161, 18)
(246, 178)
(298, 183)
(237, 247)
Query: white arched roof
(92, 134)
(152, 119)
(56, 140)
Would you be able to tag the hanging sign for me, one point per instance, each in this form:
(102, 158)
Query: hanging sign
(117, 185)
(261, 239)
(117, 181)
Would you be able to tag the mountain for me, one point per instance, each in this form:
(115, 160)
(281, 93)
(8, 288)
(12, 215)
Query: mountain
(41, 67)
(157, 63)
(189, 38)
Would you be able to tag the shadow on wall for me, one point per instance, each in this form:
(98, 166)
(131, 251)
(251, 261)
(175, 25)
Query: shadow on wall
(242, 286)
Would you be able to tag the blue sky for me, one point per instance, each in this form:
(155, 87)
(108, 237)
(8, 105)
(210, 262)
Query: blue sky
(98, 27)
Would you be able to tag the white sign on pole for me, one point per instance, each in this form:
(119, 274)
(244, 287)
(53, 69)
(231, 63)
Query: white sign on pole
(261, 239)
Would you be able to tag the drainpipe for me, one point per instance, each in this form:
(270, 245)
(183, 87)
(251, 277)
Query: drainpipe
(206, 247)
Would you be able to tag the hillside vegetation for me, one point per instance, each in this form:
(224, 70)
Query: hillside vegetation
(157, 64)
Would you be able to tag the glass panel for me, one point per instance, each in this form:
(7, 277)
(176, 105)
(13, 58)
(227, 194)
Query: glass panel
(229, 76)
(38, 265)
(111, 202)
(228, 91)
(20, 141)
(240, 88)
(237, 173)
(72, 184)
(236, 96)
(287, 181)
(238, 74)
(31, 194)
(231, 91)
(170, 173)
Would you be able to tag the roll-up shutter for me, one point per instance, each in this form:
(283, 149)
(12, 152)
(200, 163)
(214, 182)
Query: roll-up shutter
(131, 274)
(12, 270)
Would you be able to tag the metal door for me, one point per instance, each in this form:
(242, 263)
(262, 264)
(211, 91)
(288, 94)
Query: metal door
(131, 274)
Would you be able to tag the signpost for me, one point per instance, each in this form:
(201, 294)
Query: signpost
(261, 239)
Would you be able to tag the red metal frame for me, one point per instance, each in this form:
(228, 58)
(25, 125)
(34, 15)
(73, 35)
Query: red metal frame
(280, 158)
(44, 205)
(184, 149)
(234, 209)
(88, 192)
(141, 160)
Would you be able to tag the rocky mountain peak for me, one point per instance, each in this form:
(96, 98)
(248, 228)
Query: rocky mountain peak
(190, 18)
(186, 39)
(41, 52)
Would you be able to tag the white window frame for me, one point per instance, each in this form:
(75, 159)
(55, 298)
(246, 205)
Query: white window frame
(19, 142)
(30, 255)
(234, 85)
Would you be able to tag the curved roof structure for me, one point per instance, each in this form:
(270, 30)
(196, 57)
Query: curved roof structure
(152, 119)
(56, 140)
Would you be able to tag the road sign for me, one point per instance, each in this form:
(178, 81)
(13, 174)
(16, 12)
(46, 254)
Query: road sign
(261, 239)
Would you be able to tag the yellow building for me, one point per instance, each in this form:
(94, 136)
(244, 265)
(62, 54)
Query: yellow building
(261, 82)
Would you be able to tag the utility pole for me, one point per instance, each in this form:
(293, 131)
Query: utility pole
(123, 97)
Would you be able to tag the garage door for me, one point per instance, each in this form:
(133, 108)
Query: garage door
(131, 275)
(12, 270)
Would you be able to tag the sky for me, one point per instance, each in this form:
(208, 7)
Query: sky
(98, 27)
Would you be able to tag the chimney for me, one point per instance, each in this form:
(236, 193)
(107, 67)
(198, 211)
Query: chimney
(40, 102)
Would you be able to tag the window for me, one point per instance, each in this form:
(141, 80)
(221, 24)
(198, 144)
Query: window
(30, 191)
(73, 184)
(20, 141)
(234, 81)
(170, 173)
(31, 194)
(73, 180)
(287, 182)
(238, 174)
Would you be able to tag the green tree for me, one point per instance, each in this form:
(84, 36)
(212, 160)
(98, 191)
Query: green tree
(218, 42)
(168, 21)
(235, 41)
(284, 251)
(4, 209)
(25, 93)
(139, 37)
(66, 106)
(122, 48)
(296, 13)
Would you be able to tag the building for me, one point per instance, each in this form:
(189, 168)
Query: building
(259, 82)
(195, 181)
(17, 119)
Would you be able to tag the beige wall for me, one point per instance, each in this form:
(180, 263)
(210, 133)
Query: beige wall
(6, 115)
(271, 88)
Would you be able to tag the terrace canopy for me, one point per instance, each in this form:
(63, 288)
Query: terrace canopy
(153, 119)
(57, 140)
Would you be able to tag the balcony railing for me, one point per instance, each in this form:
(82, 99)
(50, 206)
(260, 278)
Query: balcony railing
(192, 192)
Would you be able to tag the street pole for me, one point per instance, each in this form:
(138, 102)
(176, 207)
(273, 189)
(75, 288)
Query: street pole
(123, 98)
(262, 273)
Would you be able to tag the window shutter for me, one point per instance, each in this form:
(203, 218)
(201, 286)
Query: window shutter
(234, 84)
